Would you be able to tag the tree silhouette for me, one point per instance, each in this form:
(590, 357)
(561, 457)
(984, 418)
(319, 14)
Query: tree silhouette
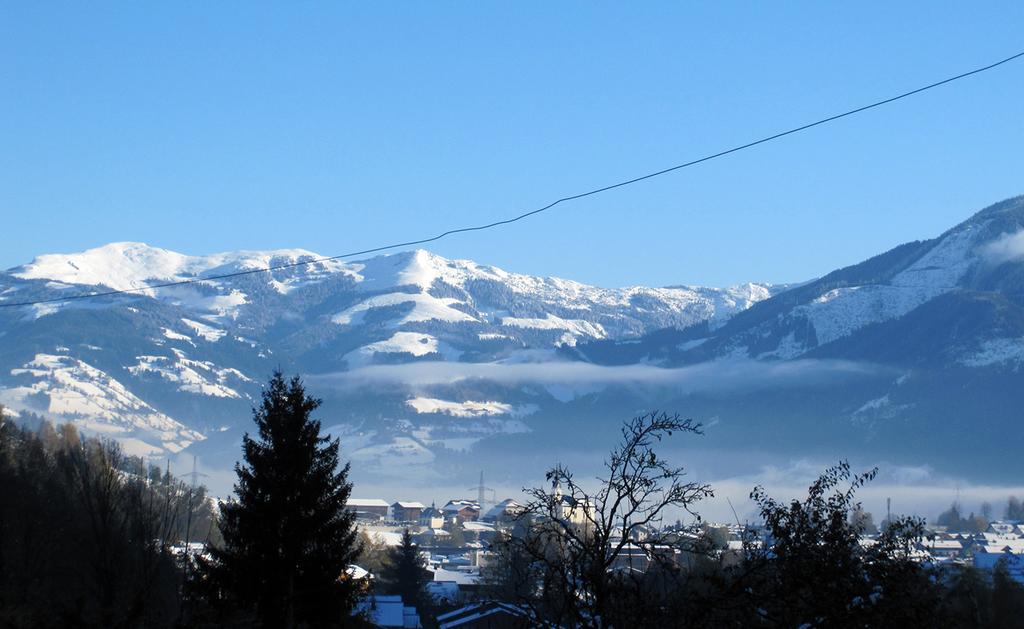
(812, 568)
(288, 536)
(405, 573)
(78, 506)
(1014, 509)
(582, 545)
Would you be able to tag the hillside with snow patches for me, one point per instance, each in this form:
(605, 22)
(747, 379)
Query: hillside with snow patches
(194, 349)
(421, 359)
(978, 260)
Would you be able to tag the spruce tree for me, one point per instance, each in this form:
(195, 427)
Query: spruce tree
(288, 536)
(406, 573)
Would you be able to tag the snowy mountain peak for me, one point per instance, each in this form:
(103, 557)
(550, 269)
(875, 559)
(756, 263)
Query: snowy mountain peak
(119, 265)
(408, 268)
(131, 265)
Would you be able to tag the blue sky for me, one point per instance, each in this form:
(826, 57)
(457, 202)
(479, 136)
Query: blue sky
(204, 127)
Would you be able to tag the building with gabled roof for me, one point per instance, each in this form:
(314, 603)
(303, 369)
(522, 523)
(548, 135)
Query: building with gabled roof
(368, 508)
(505, 511)
(461, 510)
(405, 511)
(431, 517)
(490, 615)
(1006, 527)
(388, 611)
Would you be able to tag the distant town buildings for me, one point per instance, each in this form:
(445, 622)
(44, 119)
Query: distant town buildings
(368, 509)
(1001, 543)
(462, 510)
(431, 517)
(407, 512)
(455, 540)
(503, 512)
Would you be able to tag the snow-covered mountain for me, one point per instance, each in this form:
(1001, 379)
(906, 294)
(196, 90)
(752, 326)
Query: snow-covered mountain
(433, 365)
(198, 351)
(982, 259)
(420, 285)
(916, 354)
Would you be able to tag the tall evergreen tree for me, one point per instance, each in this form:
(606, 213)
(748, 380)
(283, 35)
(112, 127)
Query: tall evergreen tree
(288, 537)
(406, 572)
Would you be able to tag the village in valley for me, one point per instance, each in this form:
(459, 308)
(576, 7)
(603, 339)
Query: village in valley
(455, 541)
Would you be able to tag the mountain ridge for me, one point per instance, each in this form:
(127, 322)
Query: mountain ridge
(421, 357)
(200, 350)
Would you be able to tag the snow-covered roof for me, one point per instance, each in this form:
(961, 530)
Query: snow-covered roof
(507, 505)
(474, 613)
(1004, 526)
(1013, 546)
(366, 502)
(357, 572)
(388, 538)
(459, 505)
(460, 577)
(409, 505)
(436, 532)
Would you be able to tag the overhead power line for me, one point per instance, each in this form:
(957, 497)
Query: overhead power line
(520, 217)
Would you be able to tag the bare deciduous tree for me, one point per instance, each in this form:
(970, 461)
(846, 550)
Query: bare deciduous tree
(582, 558)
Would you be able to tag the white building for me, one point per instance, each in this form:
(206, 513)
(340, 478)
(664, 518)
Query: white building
(368, 509)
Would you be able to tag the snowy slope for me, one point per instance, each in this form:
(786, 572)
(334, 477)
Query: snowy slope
(975, 269)
(135, 266)
(170, 366)
(132, 265)
(78, 392)
(502, 305)
(417, 355)
(410, 288)
(839, 312)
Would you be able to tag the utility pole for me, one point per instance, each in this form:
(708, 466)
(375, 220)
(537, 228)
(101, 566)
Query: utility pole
(188, 520)
(194, 475)
(481, 490)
